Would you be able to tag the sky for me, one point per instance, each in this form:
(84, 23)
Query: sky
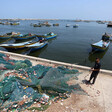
(56, 9)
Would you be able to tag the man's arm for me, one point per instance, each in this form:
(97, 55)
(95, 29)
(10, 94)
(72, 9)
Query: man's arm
(95, 69)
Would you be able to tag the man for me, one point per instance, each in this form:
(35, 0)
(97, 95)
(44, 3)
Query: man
(95, 71)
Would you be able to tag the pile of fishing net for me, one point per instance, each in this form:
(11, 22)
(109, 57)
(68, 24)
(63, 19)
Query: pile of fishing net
(22, 84)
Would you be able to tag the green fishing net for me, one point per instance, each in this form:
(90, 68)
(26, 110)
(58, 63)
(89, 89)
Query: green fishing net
(22, 84)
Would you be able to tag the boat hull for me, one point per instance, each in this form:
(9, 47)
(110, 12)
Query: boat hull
(99, 46)
(46, 37)
(19, 45)
(4, 37)
(9, 35)
(24, 38)
(38, 47)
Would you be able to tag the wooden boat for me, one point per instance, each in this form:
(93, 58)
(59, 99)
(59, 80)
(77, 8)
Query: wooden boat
(9, 35)
(6, 41)
(24, 37)
(37, 25)
(14, 23)
(37, 45)
(109, 25)
(100, 46)
(100, 22)
(56, 24)
(19, 45)
(5, 23)
(47, 36)
(75, 26)
(106, 35)
(48, 25)
(67, 25)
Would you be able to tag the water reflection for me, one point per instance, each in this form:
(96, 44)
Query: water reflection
(93, 56)
(38, 52)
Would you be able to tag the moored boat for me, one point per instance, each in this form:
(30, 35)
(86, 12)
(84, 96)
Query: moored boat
(9, 35)
(14, 23)
(19, 45)
(36, 46)
(56, 24)
(109, 25)
(48, 25)
(102, 45)
(6, 40)
(106, 35)
(47, 36)
(37, 25)
(75, 26)
(67, 25)
(24, 37)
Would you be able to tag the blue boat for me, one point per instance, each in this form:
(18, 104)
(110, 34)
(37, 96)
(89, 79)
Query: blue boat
(37, 45)
(24, 37)
(22, 45)
(9, 35)
(100, 46)
(47, 36)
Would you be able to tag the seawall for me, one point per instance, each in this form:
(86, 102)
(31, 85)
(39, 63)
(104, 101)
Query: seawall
(41, 60)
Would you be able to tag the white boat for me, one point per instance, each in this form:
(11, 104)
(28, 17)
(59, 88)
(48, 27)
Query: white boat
(100, 46)
(75, 26)
(67, 25)
(37, 45)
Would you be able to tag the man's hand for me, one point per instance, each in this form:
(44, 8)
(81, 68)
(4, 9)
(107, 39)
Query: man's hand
(92, 69)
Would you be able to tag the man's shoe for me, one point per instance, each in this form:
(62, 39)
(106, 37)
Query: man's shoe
(88, 81)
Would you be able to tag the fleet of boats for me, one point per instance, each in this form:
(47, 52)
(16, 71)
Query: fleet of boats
(17, 36)
(10, 23)
(42, 24)
(49, 24)
(37, 41)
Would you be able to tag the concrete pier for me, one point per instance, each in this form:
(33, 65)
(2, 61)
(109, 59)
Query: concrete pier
(36, 60)
(99, 95)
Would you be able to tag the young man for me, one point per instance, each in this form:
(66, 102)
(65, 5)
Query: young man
(95, 71)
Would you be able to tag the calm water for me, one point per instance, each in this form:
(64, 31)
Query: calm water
(71, 45)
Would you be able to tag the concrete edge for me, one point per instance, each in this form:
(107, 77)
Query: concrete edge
(108, 72)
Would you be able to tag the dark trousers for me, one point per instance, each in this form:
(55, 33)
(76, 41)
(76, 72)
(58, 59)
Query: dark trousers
(93, 76)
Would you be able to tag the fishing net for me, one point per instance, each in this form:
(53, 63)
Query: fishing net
(22, 84)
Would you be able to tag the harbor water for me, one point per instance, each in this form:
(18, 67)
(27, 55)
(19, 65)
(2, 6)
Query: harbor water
(72, 45)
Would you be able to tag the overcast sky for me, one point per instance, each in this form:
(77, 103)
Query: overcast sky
(57, 9)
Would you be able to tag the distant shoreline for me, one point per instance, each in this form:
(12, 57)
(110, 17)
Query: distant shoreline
(75, 20)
